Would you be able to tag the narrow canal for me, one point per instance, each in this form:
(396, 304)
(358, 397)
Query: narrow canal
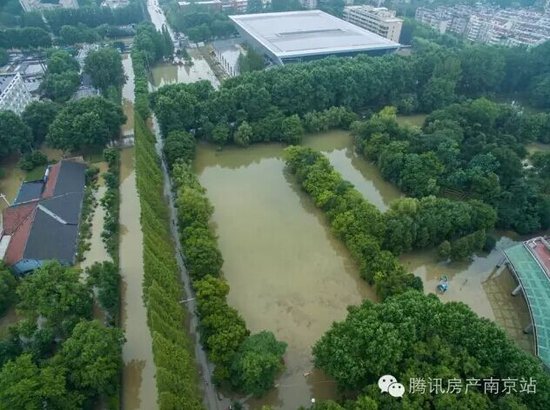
(139, 388)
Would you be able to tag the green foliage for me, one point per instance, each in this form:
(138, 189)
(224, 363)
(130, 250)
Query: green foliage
(8, 285)
(25, 37)
(24, 385)
(257, 362)
(88, 122)
(4, 58)
(199, 23)
(251, 61)
(93, 357)
(176, 373)
(333, 117)
(104, 66)
(243, 135)
(105, 277)
(444, 250)
(470, 150)
(465, 246)
(62, 77)
(358, 223)
(38, 116)
(110, 202)
(31, 160)
(15, 136)
(86, 216)
(413, 335)
(55, 293)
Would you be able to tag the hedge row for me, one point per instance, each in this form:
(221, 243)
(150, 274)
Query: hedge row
(162, 291)
(355, 221)
(141, 83)
(222, 328)
(110, 202)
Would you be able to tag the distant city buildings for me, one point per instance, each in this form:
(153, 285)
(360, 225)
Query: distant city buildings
(489, 25)
(309, 4)
(14, 96)
(379, 20)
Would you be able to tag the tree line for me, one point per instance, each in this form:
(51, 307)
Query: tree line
(199, 23)
(434, 76)
(176, 375)
(68, 361)
(246, 363)
(415, 337)
(470, 150)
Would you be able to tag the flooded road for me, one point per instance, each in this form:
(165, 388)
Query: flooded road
(169, 73)
(287, 271)
(139, 389)
(138, 376)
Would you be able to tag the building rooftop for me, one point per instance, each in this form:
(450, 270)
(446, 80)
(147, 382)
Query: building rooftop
(530, 262)
(308, 33)
(43, 221)
(5, 80)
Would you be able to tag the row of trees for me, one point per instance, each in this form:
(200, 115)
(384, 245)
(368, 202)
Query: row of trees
(104, 66)
(176, 375)
(200, 24)
(432, 77)
(249, 363)
(413, 336)
(355, 221)
(474, 150)
(149, 47)
(95, 16)
(25, 37)
(69, 361)
(182, 107)
(111, 202)
(70, 35)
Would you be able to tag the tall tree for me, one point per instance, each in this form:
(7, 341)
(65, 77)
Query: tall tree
(38, 116)
(15, 136)
(89, 122)
(104, 66)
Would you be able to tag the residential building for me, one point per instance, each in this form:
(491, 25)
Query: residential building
(309, 4)
(30, 5)
(213, 5)
(235, 6)
(379, 20)
(43, 222)
(489, 24)
(14, 95)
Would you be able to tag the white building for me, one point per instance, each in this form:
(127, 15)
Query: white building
(14, 95)
(379, 20)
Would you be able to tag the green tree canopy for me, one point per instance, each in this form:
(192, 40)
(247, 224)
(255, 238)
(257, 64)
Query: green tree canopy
(257, 362)
(93, 357)
(15, 136)
(8, 285)
(413, 335)
(55, 293)
(38, 116)
(89, 122)
(104, 66)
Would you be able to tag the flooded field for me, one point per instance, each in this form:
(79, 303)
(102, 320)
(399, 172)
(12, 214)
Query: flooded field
(287, 272)
(168, 73)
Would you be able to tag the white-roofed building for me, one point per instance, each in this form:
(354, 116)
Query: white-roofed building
(14, 95)
(307, 35)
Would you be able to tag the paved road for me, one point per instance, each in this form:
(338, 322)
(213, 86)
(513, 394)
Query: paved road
(212, 399)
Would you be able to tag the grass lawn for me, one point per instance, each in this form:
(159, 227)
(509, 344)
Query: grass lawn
(36, 173)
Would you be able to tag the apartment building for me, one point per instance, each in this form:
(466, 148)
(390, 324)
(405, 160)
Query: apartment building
(489, 24)
(379, 20)
(14, 96)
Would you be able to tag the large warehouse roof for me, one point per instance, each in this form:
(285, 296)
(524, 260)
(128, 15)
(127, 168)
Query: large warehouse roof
(309, 33)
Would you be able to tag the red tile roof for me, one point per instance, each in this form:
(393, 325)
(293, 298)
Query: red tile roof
(16, 247)
(15, 215)
(52, 180)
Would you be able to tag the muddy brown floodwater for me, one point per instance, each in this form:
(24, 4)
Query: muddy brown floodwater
(290, 275)
(138, 376)
(287, 272)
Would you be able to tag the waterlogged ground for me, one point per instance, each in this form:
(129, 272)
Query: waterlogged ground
(289, 274)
